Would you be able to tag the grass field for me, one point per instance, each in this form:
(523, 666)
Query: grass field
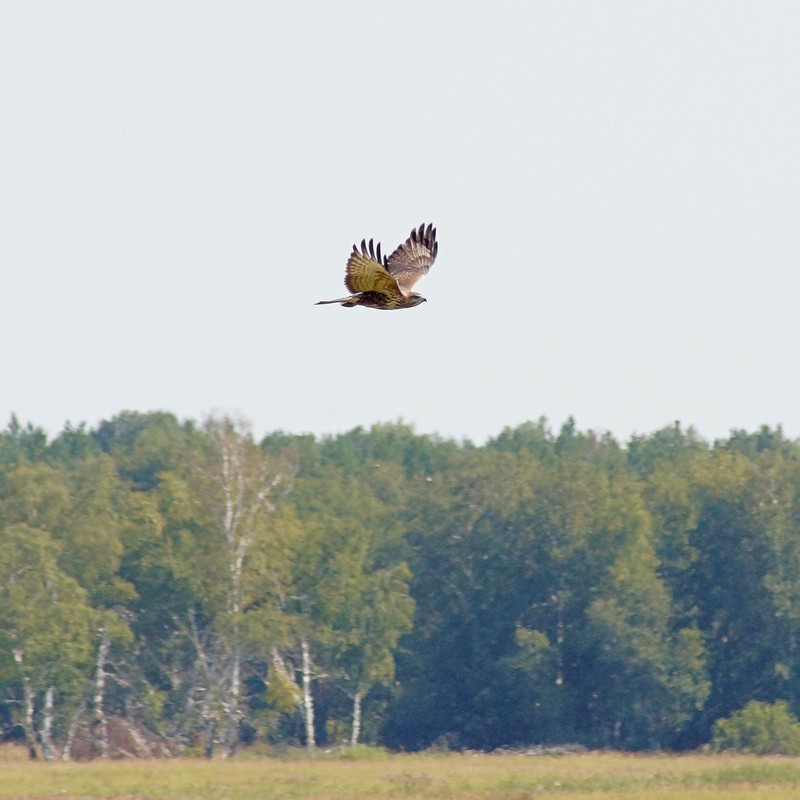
(595, 776)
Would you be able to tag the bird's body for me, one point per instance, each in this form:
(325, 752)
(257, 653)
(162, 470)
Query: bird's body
(386, 282)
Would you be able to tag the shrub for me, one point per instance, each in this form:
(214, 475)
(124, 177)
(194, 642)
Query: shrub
(361, 752)
(761, 728)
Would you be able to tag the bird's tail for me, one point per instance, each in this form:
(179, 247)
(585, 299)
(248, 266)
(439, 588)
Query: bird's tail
(345, 301)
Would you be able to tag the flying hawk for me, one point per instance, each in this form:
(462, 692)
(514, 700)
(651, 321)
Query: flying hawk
(386, 283)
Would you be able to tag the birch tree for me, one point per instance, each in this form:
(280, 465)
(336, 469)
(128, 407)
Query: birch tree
(44, 628)
(326, 577)
(347, 611)
(241, 488)
(112, 633)
(378, 616)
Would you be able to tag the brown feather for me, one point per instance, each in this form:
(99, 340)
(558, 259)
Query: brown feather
(412, 259)
(364, 273)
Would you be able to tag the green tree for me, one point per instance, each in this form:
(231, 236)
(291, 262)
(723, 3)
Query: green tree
(349, 596)
(21, 443)
(327, 576)
(777, 509)
(239, 488)
(475, 573)
(761, 728)
(44, 629)
(368, 629)
(144, 446)
(735, 610)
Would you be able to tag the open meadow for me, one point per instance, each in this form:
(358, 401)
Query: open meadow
(379, 776)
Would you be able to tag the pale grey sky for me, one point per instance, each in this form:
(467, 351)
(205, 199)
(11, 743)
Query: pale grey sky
(616, 188)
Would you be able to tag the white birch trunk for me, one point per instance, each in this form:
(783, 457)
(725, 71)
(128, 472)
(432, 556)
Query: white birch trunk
(99, 722)
(238, 521)
(28, 700)
(207, 712)
(560, 641)
(208, 737)
(66, 753)
(280, 664)
(356, 732)
(308, 699)
(233, 714)
(238, 546)
(143, 749)
(47, 724)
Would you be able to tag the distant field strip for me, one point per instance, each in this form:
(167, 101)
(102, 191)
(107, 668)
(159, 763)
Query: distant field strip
(599, 776)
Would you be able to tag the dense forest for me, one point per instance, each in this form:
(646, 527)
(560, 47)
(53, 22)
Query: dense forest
(170, 587)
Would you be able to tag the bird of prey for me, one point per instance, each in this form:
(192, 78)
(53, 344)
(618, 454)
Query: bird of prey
(386, 282)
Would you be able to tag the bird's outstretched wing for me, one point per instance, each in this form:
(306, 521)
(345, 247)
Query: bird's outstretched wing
(412, 259)
(366, 272)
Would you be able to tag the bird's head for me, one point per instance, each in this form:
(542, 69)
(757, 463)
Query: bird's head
(415, 298)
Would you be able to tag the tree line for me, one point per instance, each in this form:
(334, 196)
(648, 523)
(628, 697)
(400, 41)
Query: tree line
(168, 586)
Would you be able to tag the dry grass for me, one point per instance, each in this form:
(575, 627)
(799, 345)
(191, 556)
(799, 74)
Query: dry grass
(599, 776)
